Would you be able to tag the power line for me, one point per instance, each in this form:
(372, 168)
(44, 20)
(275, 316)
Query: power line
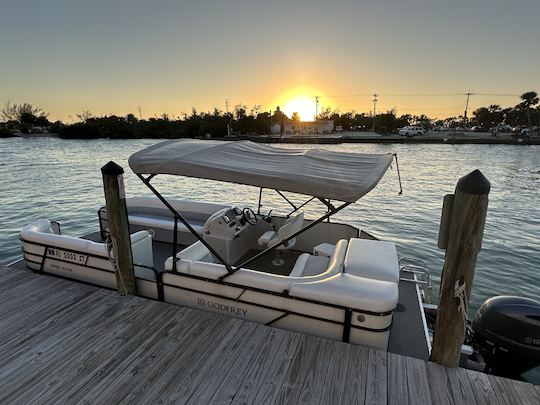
(425, 95)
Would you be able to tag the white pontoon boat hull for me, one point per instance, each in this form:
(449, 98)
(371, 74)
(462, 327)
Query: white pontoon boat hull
(352, 299)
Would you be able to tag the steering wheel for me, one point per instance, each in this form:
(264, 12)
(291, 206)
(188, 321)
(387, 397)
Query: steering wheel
(249, 216)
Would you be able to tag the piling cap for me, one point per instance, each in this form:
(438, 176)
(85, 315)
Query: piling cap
(474, 183)
(112, 169)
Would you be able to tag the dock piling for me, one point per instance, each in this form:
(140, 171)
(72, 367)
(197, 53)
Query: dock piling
(113, 185)
(462, 229)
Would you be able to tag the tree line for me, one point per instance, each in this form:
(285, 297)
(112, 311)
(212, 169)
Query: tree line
(243, 121)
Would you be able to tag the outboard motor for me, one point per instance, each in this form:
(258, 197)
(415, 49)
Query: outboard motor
(507, 334)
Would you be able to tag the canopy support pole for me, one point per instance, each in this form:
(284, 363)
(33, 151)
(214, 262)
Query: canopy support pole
(331, 212)
(286, 199)
(303, 204)
(398, 175)
(260, 202)
(178, 216)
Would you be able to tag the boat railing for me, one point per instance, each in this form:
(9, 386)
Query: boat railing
(420, 271)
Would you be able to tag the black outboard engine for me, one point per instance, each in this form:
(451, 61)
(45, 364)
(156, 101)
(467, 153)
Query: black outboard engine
(507, 334)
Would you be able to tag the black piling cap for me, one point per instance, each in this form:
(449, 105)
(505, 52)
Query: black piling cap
(474, 183)
(112, 169)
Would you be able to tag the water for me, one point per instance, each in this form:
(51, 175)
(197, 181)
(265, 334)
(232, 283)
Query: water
(61, 180)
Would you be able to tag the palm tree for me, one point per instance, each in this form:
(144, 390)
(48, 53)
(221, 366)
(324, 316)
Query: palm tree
(530, 99)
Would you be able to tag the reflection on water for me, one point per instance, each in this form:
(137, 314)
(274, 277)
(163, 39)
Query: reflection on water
(61, 180)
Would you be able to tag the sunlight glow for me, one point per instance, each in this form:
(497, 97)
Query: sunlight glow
(304, 106)
(300, 100)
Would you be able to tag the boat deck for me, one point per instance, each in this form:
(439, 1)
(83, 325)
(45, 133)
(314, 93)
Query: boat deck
(66, 342)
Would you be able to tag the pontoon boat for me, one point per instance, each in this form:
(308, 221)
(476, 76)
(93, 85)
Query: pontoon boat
(310, 275)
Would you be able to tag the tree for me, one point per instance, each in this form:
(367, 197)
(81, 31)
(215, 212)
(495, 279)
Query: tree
(84, 116)
(25, 114)
(530, 99)
(325, 113)
(9, 111)
(131, 119)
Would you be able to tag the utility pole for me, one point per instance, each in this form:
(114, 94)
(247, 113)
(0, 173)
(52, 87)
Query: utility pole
(466, 109)
(374, 110)
(140, 113)
(227, 112)
(316, 107)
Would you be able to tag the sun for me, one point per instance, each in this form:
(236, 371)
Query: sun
(303, 105)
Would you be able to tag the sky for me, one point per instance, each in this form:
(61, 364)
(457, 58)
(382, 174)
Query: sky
(164, 56)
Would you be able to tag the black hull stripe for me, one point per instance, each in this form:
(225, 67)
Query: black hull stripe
(286, 312)
(63, 248)
(249, 288)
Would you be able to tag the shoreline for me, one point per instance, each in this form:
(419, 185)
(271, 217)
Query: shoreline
(452, 138)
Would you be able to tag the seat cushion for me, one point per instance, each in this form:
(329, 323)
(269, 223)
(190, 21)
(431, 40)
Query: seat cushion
(309, 265)
(372, 259)
(324, 249)
(167, 223)
(266, 237)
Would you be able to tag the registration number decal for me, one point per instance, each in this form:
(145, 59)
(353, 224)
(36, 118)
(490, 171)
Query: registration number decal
(67, 256)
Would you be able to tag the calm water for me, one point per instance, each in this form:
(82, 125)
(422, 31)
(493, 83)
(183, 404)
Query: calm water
(61, 180)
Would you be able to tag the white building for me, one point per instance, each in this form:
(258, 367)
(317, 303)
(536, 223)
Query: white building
(308, 127)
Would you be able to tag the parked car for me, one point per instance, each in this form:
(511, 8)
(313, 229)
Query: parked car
(411, 131)
(442, 129)
(338, 129)
(501, 128)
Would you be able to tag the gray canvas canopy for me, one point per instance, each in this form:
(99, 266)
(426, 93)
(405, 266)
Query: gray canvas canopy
(315, 172)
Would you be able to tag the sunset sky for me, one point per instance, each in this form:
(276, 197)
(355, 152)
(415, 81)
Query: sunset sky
(167, 56)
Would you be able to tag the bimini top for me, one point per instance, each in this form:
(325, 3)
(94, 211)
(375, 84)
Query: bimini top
(315, 172)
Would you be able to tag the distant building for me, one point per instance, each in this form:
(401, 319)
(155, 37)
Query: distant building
(276, 129)
(308, 127)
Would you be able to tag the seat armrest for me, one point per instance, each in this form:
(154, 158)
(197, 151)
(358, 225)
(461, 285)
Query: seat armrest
(266, 237)
(300, 265)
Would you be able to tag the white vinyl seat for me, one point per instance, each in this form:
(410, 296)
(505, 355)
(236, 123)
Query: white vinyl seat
(273, 238)
(195, 252)
(309, 265)
(290, 227)
(324, 249)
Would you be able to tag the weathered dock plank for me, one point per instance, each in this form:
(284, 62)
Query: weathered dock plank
(356, 378)
(460, 386)
(377, 378)
(417, 381)
(398, 392)
(440, 390)
(66, 342)
(482, 389)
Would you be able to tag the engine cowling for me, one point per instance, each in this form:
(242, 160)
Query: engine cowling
(507, 334)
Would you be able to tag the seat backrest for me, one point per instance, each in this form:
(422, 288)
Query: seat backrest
(291, 226)
(195, 252)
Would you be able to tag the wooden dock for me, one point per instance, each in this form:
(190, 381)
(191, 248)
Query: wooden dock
(66, 342)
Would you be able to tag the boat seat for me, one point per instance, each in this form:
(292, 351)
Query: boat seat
(39, 234)
(290, 227)
(374, 259)
(324, 249)
(195, 252)
(309, 265)
(162, 222)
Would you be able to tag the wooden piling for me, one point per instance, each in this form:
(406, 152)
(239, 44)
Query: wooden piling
(463, 242)
(113, 185)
